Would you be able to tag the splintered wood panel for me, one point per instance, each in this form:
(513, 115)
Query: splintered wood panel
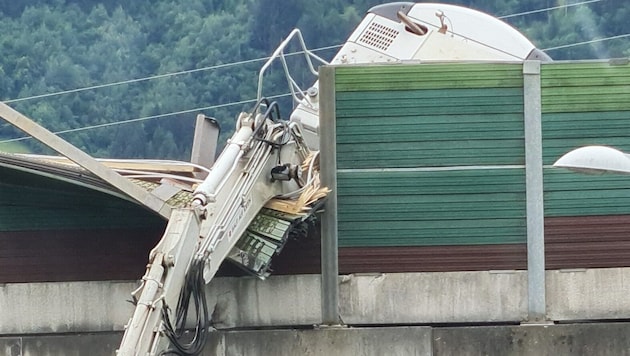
(421, 208)
(570, 242)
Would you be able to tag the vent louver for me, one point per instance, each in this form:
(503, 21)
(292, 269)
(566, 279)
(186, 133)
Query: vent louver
(379, 36)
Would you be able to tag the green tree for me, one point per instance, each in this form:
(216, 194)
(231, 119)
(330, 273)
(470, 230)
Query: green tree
(51, 46)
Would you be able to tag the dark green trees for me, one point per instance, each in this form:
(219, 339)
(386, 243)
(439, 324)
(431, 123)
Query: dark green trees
(215, 48)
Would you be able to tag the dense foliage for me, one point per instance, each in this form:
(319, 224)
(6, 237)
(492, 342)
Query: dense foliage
(51, 46)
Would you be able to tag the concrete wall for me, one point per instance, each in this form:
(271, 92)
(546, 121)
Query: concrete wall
(381, 299)
(64, 307)
(247, 302)
(534, 340)
(398, 341)
(413, 298)
(588, 294)
(605, 339)
(27, 308)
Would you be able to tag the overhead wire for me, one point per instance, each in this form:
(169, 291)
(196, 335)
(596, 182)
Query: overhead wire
(587, 42)
(231, 64)
(188, 111)
(548, 9)
(564, 7)
(158, 76)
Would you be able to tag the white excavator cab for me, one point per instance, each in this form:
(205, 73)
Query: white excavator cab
(420, 32)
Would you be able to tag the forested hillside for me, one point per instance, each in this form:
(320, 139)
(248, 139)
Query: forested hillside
(174, 58)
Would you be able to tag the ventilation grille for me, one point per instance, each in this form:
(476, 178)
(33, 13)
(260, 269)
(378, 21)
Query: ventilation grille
(379, 36)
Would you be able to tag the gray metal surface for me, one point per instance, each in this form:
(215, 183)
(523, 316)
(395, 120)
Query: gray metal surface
(534, 191)
(204, 148)
(328, 159)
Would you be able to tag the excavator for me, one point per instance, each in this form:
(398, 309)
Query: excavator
(240, 211)
(265, 184)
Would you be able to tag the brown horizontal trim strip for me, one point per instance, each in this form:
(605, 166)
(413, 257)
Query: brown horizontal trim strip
(81, 255)
(121, 254)
(432, 258)
(587, 241)
(303, 257)
(75, 255)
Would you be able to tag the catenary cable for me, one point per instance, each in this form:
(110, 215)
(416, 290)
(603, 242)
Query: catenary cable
(548, 9)
(159, 116)
(159, 76)
(587, 42)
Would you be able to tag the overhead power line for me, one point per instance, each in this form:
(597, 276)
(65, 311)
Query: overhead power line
(137, 80)
(548, 9)
(587, 42)
(158, 76)
(188, 111)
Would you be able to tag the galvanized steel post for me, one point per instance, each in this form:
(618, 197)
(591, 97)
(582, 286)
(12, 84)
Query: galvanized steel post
(205, 140)
(328, 169)
(536, 304)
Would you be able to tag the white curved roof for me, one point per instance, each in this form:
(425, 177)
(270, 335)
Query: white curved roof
(475, 26)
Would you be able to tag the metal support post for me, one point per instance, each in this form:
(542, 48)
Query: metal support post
(204, 146)
(328, 165)
(536, 304)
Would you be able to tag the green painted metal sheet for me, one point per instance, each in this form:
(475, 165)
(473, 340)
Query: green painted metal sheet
(405, 135)
(428, 76)
(424, 208)
(432, 127)
(585, 87)
(573, 194)
(584, 103)
(34, 202)
(392, 118)
(563, 132)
